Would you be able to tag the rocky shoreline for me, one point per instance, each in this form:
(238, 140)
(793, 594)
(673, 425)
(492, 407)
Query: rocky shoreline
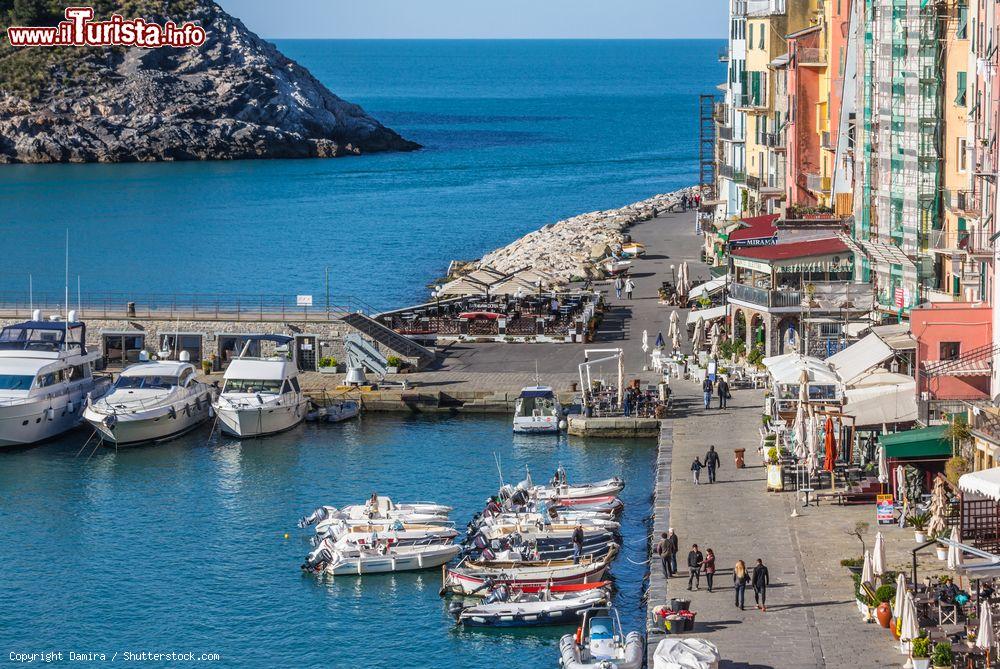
(569, 249)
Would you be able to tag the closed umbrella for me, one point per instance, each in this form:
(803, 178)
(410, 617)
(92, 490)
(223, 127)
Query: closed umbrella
(986, 637)
(804, 386)
(908, 628)
(878, 555)
(883, 468)
(799, 430)
(900, 479)
(645, 341)
(811, 445)
(698, 339)
(675, 340)
(675, 320)
(955, 558)
(897, 604)
(829, 445)
(866, 568)
(715, 340)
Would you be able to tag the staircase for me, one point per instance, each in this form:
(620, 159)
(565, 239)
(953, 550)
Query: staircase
(982, 354)
(389, 339)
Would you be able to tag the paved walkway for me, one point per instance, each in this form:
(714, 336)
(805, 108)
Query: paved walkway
(811, 620)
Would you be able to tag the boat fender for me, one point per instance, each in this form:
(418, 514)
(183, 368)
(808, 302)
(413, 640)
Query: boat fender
(50, 413)
(211, 411)
(70, 407)
(579, 635)
(197, 403)
(187, 409)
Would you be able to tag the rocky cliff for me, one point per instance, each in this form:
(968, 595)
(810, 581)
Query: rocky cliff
(234, 97)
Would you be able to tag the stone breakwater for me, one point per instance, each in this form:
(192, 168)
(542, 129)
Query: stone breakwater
(568, 249)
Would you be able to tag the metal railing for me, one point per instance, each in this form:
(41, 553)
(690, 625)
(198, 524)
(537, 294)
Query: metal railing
(974, 242)
(764, 297)
(817, 183)
(825, 140)
(967, 201)
(724, 55)
(751, 101)
(765, 7)
(931, 410)
(753, 182)
(187, 306)
(731, 173)
(774, 140)
(725, 132)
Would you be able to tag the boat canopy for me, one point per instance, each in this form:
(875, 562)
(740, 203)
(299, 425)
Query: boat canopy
(46, 336)
(276, 338)
(537, 392)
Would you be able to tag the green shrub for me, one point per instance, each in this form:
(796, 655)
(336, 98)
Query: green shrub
(328, 361)
(394, 361)
(852, 562)
(919, 520)
(772, 456)
(955, 467)
(921, 647)
(942, 656)
(885, 593)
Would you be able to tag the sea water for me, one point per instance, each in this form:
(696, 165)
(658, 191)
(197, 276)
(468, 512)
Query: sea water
(181, 547)
(517, 134)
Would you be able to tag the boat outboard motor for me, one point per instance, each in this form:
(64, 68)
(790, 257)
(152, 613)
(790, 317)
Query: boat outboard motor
(319, 557)
(319, 515)
(500, 594)
(455, 608)
(488, 555)
(479, 541)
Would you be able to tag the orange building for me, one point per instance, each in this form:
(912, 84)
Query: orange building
(803, 177)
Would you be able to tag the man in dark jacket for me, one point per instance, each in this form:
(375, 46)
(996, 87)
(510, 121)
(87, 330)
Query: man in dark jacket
(672, 549)
(695, 559)
(577, 544)
(760, 580)
(706, 388)
(712, 463)
(722, 387)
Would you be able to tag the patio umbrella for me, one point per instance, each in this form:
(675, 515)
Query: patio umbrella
(866, 568)
(675, 340)
(883, 468)
(986, 637)
(939, 510)
(900, 478)
(675, 320)
(715, 341)
(878, 555)
(659, 340)
(955, 558)
(897, 604)
(908, 629)
(804, 386)
(645, 341)
(812, 445)
(799, 430)
(698, 339)
(829, 445)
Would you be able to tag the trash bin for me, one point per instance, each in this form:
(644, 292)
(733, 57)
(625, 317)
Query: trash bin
(680, 604)
(130, 309)
(738, 454)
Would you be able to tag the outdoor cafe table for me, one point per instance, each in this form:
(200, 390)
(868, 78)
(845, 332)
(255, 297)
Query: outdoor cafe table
(945, 632)
(970, 658)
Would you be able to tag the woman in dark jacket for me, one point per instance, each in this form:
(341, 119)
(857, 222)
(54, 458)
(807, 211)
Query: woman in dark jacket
(709, 566)
(740, 580)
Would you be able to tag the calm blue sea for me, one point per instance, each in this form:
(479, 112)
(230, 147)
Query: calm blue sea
(180, 547)
(517, 134)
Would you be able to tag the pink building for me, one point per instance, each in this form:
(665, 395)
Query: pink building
(954, 341)
(802, 166)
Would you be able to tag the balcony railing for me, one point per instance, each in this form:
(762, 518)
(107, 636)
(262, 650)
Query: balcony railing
(720, 112)
(764, 297)
(973, 242)
(725, 132)
(825, 140)
(967, 201)
(753, 183)
(731, 173)
(811, 56)
(751, 101)
(774, 140)
(765, 7)
(817, 183)
(723, 55)
(774, 183)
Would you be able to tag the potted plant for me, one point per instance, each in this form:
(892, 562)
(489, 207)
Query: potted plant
(919, 522)
(206, 367)
(942, 657)
(970, 639)
(883, 595)
(942, 551)
(328, 365)
(394, 364)
(920, 651)
(774, 473)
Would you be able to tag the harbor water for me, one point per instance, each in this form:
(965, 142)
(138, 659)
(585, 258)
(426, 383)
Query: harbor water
(517, 134)
(181, 547)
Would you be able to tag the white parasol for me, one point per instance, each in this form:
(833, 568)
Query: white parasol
(715, 340)
(986, 637)
(698, 338)
(804, 386)
(878, 555)
(812, 445)
(955, 558)
(675, 339)
(799, 430)
(883, 468)
(645, 341)
(897, 604)
(908, 628)
(866, 569)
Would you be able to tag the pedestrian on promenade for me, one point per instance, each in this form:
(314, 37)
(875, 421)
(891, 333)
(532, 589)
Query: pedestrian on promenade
(760, 581)
(696, 470)
(661, 548)
(672, 549)
(706, 388)
(711, 463)
(709, 567)
(697, 200)
(577, 543)
(619, 284)
(723, 389)
(629, 287)
(695, 560)
(740, 580)
(684, 201)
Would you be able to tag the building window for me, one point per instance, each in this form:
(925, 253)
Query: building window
(963, 155)
(962, 89)
(950, 350)
(761, 36)
(750, 41)
(962, 27)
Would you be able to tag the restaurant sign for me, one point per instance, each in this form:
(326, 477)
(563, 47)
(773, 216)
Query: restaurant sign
(884, 510)
(757, 241)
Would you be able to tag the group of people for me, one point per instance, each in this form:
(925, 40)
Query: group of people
(692, 201)
(626, 285)
(721, 388)
(711, 463)
(700, 563)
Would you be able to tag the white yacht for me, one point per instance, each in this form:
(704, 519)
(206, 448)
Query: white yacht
(537, 411)
(151, 401)
(46, 375)
(260, 396)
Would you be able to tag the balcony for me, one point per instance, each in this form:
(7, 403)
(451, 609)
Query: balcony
(825, 141)
(811, 56)
(753, 183)
(751, 102)
(731, 173)
(966, 201)
(774, 184)
(725, 132)
(765, 7)
(817, 183)
(762, 297)
(774, 140)
(971, 242)
(720, 113)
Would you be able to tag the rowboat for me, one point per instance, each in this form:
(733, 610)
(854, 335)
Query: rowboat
(514, 607)
(469, 576)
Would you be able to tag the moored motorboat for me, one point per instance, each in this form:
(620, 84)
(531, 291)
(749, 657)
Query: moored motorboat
(537, 411)
(397, 533)
(335, 412)
(379, 560)
(600, 644)
(150, 402)
(468, 576)
(509, 606)
(377, 508)
(564, 491)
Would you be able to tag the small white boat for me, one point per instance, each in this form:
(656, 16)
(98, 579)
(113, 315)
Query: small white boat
(378, 509)
(380, 560)
(537, 411)
(46, 376)
(507, 606)
(335, 412)
(261, 396)
(543, 521)
(559, 488)
(151, 401)
(469, 577)
(600, 644)
(396, 533)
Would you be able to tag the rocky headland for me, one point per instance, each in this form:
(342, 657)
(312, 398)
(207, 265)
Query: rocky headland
(234, 97)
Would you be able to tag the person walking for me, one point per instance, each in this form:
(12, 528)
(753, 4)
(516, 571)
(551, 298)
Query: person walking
(619, 284)
(722, 387)
(695, 560)
(711, 463)
(706, 388)
(740, 580)
(672, 549)
(684, 201)
(709, 567)
(760, 580)
(629, 287)
(577, 543)
(696, 467)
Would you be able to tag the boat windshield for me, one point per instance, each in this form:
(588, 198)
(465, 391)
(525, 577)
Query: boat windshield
(252, 386)
(15, 382)
(36, 336)
(146, 382)
(536, 406)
